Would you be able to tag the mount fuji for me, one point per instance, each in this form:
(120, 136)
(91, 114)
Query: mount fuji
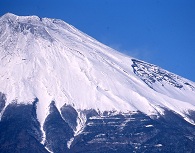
(63, 91)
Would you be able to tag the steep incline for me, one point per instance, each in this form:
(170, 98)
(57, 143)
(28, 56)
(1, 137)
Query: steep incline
(50, 60)
(63, 91)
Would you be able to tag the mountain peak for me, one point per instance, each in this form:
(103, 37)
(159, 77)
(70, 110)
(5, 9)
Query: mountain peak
(73, 94)
(8, 15)
(32, 25)
(14, 17)
(51, 60)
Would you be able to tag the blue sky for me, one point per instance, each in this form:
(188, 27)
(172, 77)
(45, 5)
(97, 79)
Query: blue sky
(161, 32)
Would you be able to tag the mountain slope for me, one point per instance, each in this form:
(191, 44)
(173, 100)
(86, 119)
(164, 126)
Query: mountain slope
(71, 74)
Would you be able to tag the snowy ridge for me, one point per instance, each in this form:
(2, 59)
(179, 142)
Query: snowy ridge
(53, 61)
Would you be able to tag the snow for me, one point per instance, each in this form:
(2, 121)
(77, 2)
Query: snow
(80, 123)
(51, 60)
(158, 145)
(48, 150)
(149, 125)
(70, 142)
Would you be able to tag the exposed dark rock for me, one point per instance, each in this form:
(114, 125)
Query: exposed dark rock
(70, 115)
(107, 132)
(152, 74)
(136, 133)
(20, 130)
(2, 101)
(90, 113)
(191, 115)
(57, 131)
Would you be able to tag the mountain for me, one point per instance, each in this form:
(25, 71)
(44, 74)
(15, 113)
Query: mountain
(63, 91)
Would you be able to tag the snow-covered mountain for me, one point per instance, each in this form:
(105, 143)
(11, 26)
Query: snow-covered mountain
(65, 81)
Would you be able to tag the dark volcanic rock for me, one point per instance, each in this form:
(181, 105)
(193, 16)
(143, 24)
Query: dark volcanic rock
(107, 132)
(2, 101)
(152, 74)
(20, 130)
(57, 131)
(70, 115)
(135, 133)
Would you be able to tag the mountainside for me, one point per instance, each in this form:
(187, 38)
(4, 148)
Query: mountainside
(63, 91)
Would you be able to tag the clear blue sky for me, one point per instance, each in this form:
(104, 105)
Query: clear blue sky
(161, 32)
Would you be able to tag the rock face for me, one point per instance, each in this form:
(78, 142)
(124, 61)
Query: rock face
(135, 133)
(20, 129)
(58, 132)
(2, 101)
(102, 133)
(62, 91)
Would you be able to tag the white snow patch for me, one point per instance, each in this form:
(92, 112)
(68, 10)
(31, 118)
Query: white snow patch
(149, 126)
(70, 142)
(158, 145)
(48, 150)
(81, 120)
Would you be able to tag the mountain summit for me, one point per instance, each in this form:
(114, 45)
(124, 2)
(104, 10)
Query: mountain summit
(65, 85)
